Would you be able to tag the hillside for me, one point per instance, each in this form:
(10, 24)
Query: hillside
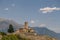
(23, 36)
(35, 37)
(4, 24)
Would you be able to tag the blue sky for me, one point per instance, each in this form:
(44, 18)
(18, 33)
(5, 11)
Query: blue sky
(36, 12)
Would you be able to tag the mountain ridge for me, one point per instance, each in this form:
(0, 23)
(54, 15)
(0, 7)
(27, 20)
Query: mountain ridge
(46, 31)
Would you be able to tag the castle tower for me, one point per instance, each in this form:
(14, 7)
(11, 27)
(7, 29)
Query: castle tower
(26, 25)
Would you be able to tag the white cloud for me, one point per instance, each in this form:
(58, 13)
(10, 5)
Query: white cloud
(42, 25)
(49, 9)
(32, 21)
(6, 9)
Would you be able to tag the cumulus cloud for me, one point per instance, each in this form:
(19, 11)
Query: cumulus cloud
(49, 9)
(32, 21)
(42, 25)
(6, 9)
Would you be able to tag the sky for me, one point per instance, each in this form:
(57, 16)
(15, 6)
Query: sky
(40, 13)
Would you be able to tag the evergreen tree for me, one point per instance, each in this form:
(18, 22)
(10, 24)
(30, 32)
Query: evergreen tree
(11, 29)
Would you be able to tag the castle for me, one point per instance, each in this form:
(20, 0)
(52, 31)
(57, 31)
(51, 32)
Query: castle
(25, 29)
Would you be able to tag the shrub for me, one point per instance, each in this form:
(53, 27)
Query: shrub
(2, 33)
(10, 37)
(13, 37)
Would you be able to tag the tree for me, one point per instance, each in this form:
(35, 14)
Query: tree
(11, 29)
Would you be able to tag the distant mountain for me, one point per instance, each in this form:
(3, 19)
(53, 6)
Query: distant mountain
(4, 24)
(46, 31)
